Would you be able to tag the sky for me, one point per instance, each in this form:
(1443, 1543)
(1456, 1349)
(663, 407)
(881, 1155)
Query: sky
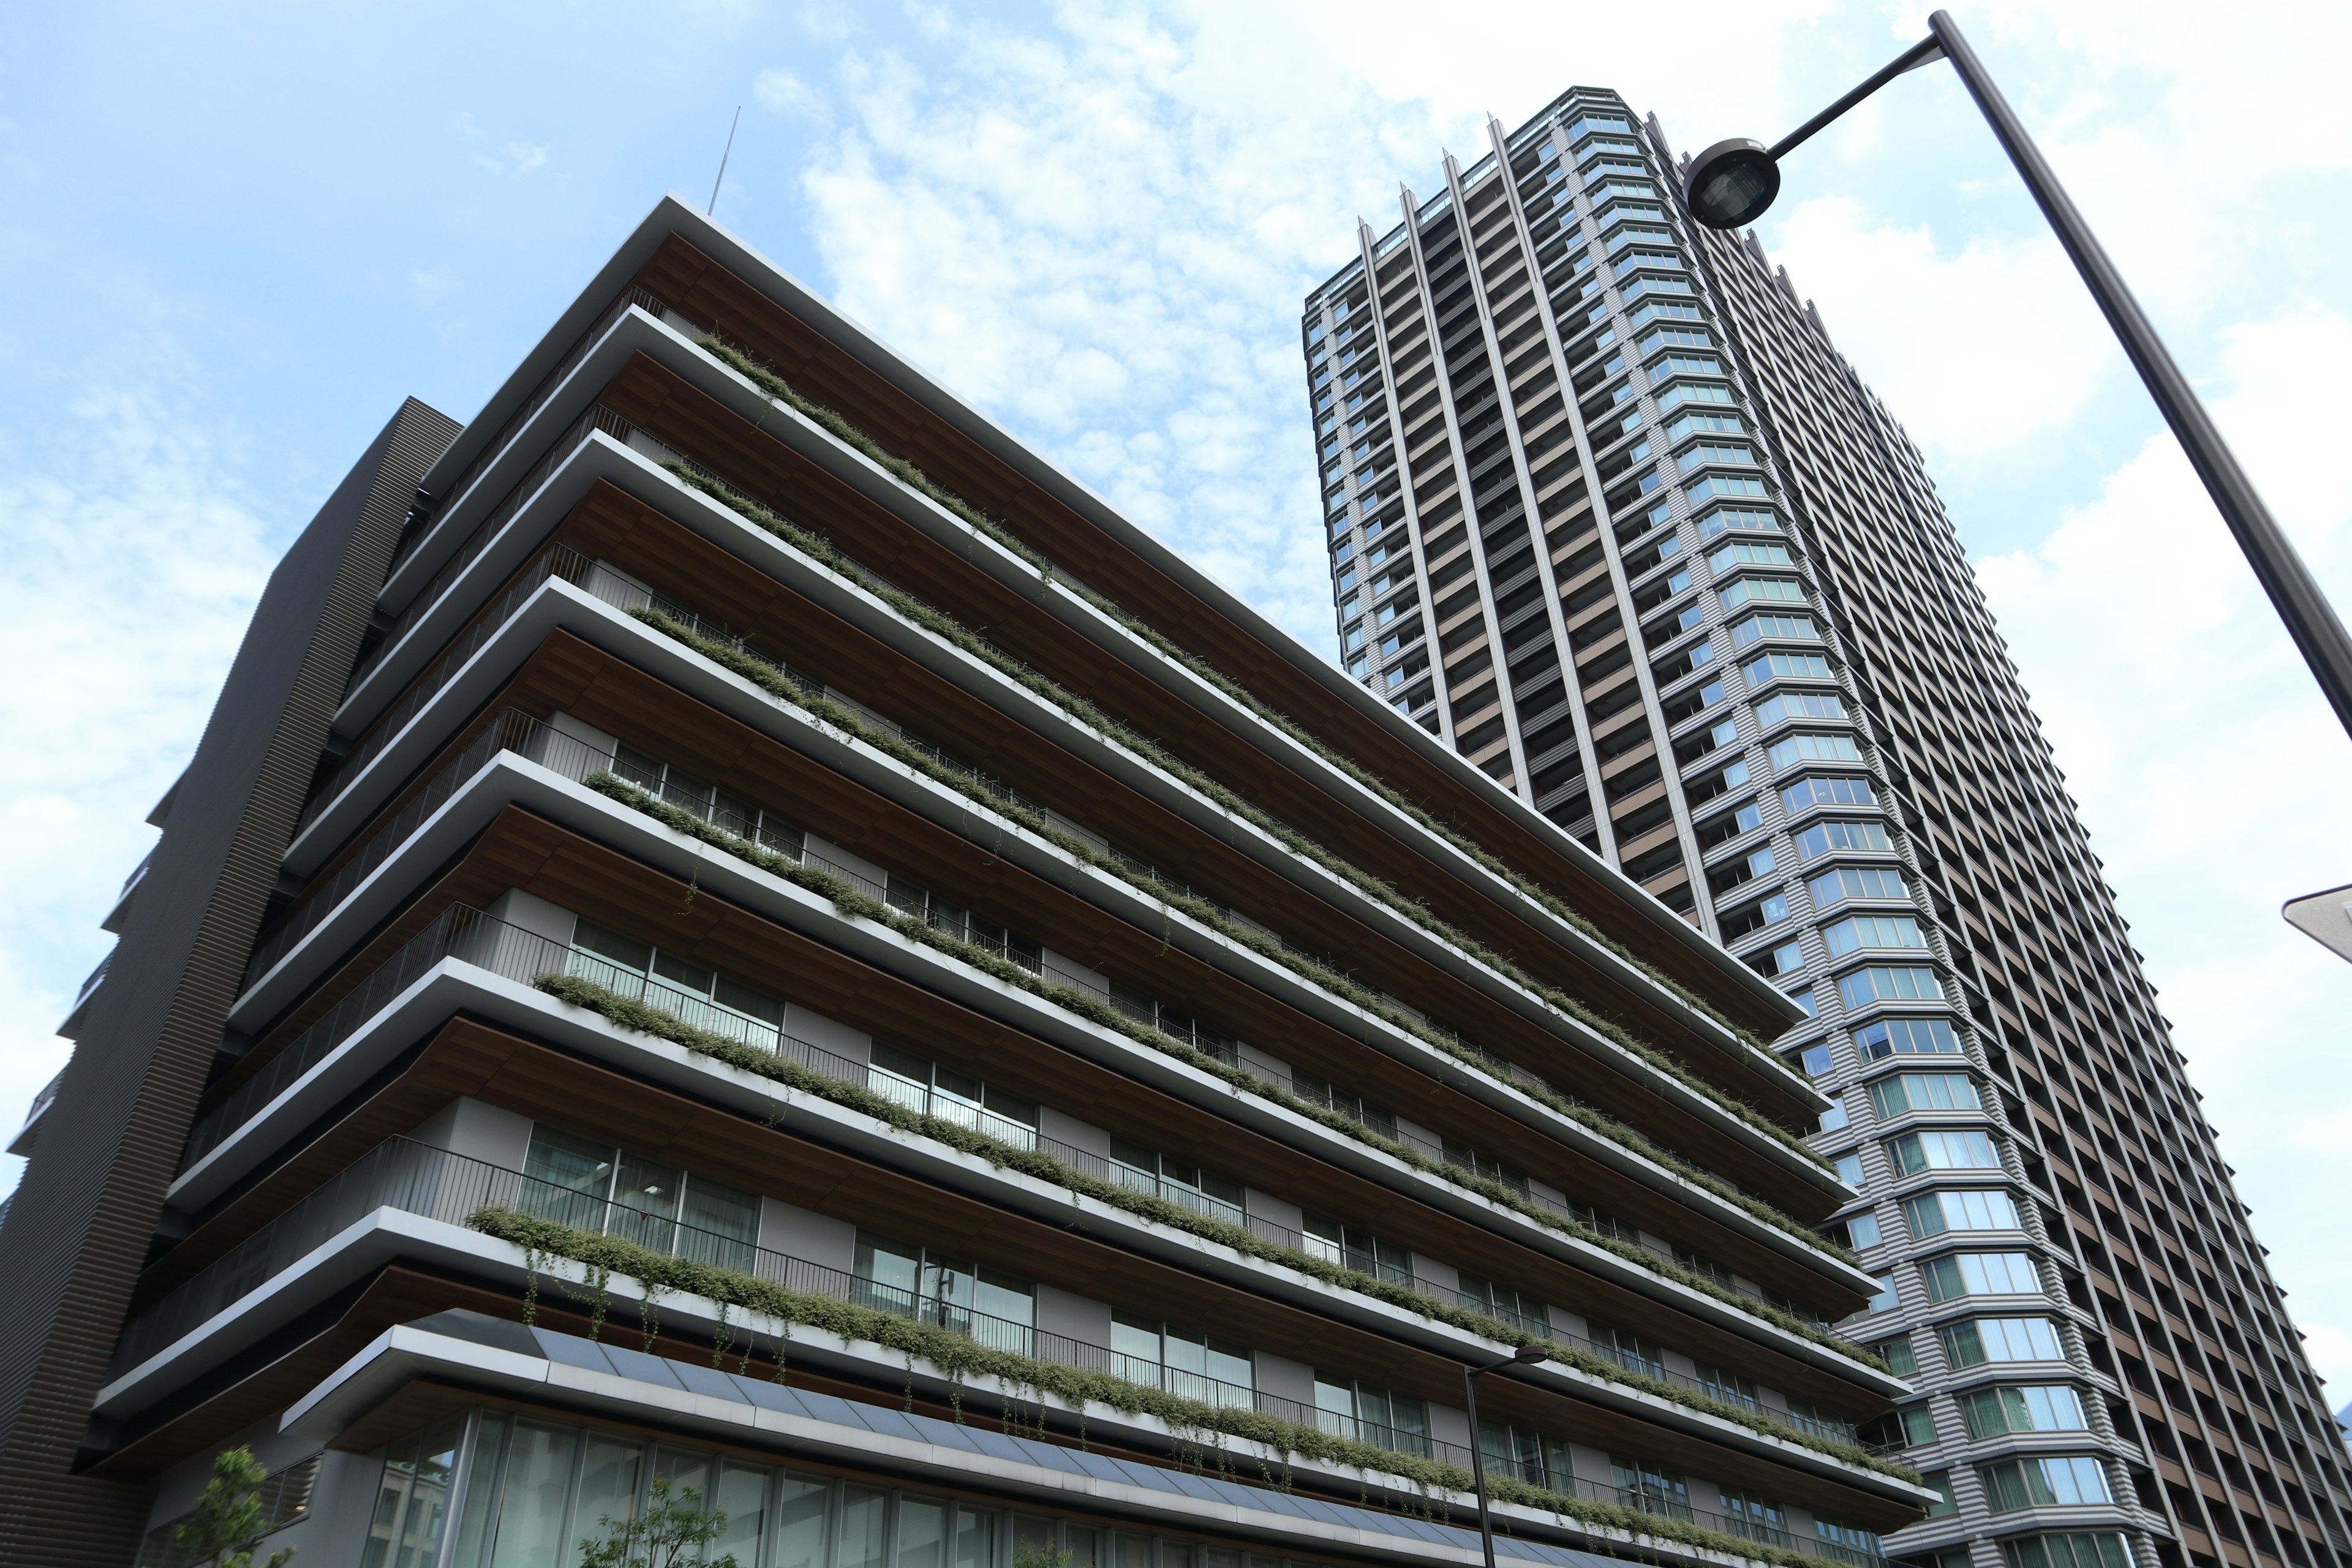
(240, 233)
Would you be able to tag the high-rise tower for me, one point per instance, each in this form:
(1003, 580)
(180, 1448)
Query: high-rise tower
(1609, 514)
(759, 936)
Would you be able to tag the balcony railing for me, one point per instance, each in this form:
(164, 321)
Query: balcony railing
(653, 305)
(1660, 1505)
(598, 418)
(408, 1177)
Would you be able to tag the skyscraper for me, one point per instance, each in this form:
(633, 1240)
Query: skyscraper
(732, 927)
(1609, 514)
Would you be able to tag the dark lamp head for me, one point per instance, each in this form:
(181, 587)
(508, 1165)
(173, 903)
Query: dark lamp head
(1731, 184)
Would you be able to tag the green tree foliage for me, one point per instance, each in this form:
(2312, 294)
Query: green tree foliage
(228, 1517)
(671, 1533)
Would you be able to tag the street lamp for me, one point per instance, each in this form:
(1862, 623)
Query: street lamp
(1733, 182)
(1470, 1377)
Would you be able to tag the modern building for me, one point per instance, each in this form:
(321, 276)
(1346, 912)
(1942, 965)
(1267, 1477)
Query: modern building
(732, 926)
(1608, 513)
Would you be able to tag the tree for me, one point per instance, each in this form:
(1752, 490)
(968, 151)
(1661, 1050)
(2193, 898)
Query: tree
(669, 1533)
(228, 1517)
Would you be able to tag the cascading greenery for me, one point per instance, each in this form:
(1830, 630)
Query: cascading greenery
(962, 1359)
(821, 549)
(843, 718)
(914, 478)
(647, 1019)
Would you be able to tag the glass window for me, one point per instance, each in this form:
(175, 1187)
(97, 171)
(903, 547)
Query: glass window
(1821, 838)
(1900, 1359)
(532, 1504)
(1907, 1037)
(1979, 1274)
(1354, 1247)
(1806, 793)
(1942, 1149)
(1650, 1488)
(2067, 1552)
(1862, 1230)
(1910, 1092)
(1848, 1166)
(1815, 1059)
(1798, 750)
(1933, 1213)
(1993, 1412)
(1983, 1339)
(1857, 882)
(1864, 987)
(1857, 931)
(1945, 1504)
(2058, 1481)
(413, 1498)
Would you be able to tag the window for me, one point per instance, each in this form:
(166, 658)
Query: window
(1682, 392)
(1756, 626)
(1708, 452)
(1804, 999)
(1697, 423)
(1913, 1427)
(1857, 882)
(1786, 705)
(1814, 1058)
(1725, 485)
(923, 1282)
(1798, 750)
(1650, 1488)
(1787, 956)
(1347, 1408)
(702, 996)
(723, 810)
(1674, 310)
(1942, 1149)
(1864, 987)
(1845, 1541)
(1900, 1359)
(929, 1089)
(2058, 1481)
(1823, 836)
(1898, 1096)
(1959, 1274)
(1848, 1166)
(1746, 552)
(1670, 337)
(1186, 1362)
(1147, 1170)
(1907, 1037)
(595, 1186)
(1363, 1112)
(2067, 1552)
(1627, 1349)
(1834, 1116)
(1352, 1247)
(1983, 1339)
(1516, 1308)
(1862, 1230)
(1933, 1213)
(1857, 931)
(1806, 793)
(1527, 1454)
(1754, 1519)
(1945, 1504)
(1883, 1299)
(1725, 516)
(1991, 1412)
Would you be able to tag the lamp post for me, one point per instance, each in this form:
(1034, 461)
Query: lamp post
(1470, 1377)
(1733, 182)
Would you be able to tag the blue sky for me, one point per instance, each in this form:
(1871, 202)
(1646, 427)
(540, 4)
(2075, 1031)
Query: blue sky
(236, 236)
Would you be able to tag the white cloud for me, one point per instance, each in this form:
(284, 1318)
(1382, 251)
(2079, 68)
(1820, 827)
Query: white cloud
(134, 564)
(787, 94)
(2210, 771)
(1983, 349)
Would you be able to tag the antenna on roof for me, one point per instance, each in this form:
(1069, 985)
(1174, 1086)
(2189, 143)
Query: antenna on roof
(713, 205)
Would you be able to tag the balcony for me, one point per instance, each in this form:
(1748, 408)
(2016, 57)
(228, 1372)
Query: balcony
(407, 1177)
(22, 1144)
(71, 1028)
(122, 910)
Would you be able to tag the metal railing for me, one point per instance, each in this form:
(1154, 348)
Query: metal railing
(556, 561)
(597, 417)
(408, 1177)
(1659, 1505)
(43, 1100)
(652, 304)
(458, 931)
